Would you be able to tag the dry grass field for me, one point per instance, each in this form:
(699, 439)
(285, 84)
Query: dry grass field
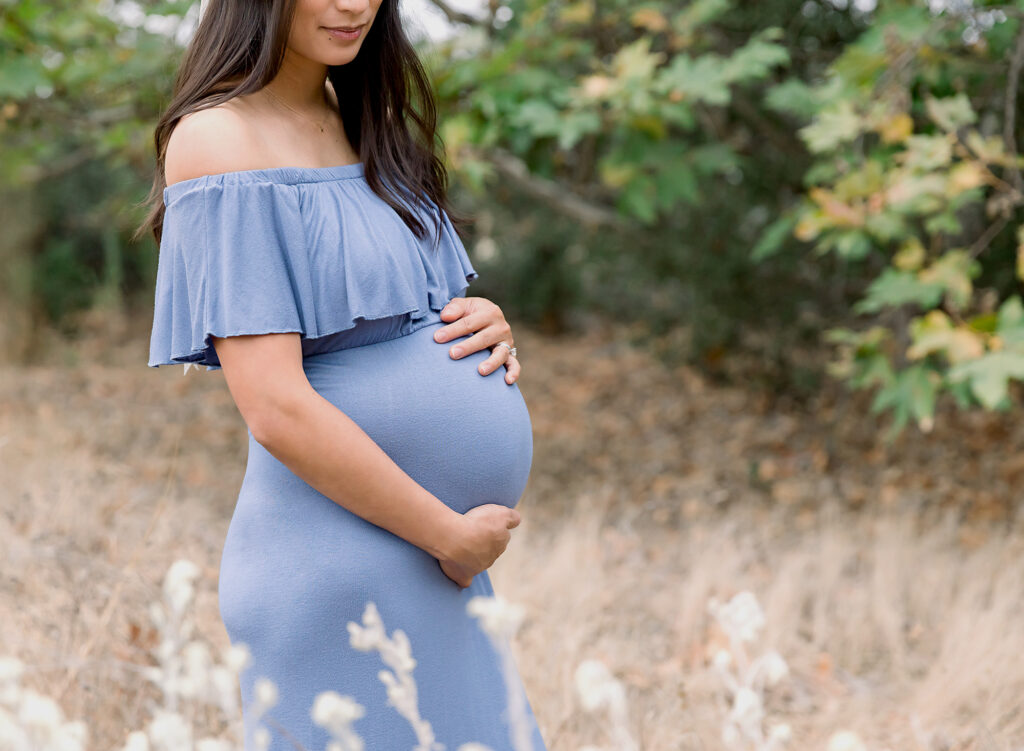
(891, 578)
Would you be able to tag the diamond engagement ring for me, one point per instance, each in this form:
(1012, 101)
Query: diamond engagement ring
(511, 350)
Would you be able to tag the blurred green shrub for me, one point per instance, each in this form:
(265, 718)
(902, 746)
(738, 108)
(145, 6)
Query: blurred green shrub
(917, 184)
(731, 177)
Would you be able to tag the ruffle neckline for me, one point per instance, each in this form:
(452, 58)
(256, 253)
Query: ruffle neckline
(261, 251)
(279, 175)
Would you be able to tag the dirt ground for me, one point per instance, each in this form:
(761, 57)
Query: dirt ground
(891, 577)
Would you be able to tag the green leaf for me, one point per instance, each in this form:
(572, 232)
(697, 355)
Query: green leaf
(945, 222)
(874, 368)
(697, 14)
(677, 182)
(20, 76)
(638, 198)
(832, 127)
(912, 393)
(894, 288)
(756, 58)
(926, 152)
(702, 79)
(951, 112)
(887, 226)
(954, 271)
(575, 125)
(989, 376)
(851, 244)
(1010, 326)
(773, 237)
(712, 158)
(793, 97)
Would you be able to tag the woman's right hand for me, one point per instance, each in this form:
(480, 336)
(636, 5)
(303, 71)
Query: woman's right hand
(481, 537)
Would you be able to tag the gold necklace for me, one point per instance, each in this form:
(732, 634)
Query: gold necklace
(319, 125)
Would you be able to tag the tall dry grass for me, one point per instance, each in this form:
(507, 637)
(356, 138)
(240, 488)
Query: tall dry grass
(890, 578)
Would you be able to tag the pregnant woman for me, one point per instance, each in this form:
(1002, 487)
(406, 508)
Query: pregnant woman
(305, 249)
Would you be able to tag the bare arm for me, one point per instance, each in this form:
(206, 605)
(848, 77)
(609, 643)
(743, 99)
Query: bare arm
(324, 446)
(307, 433)
(327, 449)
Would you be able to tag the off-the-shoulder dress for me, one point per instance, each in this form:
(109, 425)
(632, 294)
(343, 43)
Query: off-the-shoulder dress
(314, 250)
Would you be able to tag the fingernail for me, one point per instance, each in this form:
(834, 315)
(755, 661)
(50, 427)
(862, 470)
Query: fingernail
(437, 336)
(457, 352)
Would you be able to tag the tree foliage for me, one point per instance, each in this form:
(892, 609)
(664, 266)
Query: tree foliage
(799, 168)
(917, 179)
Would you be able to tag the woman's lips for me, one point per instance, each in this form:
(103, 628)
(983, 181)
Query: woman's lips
(339, 32)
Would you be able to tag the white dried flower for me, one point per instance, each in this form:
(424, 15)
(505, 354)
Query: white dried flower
(845, 740)
(780, 733)
(774, 667)
(167, 649)
(11, 669)
(213, 744)
(178, 589)
(401, 693)
(168, 731)
(722, 659)
(371, 634)
(402, 659)
(156, 614)
(71, 736)
(261, 738)
(747, 710)
(741, 618)
(237, 656)
(12, 736)
(497, 615)
(198, 658)
(223, 685)
(331, 708)
(266, 693)
(730, 735)
(137, 741)
(596, 687)
(336, 713)
(396, 653)
(39, 712)
(499, 620)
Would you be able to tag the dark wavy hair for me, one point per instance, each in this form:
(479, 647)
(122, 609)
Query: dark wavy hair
(247, 39)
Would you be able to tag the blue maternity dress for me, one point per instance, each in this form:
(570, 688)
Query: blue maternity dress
(313, 250)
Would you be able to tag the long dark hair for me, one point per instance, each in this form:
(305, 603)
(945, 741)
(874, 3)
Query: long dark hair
(247, 40)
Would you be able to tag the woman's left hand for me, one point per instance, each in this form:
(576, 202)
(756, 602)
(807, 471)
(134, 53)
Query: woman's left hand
(478, 314)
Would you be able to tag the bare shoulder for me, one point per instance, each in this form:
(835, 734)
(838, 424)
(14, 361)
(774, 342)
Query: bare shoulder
(209, 141)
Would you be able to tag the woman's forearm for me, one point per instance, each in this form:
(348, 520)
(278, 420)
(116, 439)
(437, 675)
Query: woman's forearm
(327, 449)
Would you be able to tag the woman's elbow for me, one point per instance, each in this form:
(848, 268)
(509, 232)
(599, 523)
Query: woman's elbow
(269, 407)
(265, 377)
(272, 417)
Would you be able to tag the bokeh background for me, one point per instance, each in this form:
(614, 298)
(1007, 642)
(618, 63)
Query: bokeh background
(763, 263)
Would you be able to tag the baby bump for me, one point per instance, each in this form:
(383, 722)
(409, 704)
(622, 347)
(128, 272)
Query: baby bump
(464, 436)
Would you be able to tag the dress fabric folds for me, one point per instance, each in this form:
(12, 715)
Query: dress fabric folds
(314, 251)
(292, 249)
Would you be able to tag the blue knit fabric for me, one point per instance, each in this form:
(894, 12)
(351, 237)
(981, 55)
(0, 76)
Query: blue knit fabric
(315, 251)
(304, 249)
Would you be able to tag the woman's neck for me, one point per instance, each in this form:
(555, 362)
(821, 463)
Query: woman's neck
(300, 83)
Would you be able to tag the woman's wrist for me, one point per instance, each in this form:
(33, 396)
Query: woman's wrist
(440, 532)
